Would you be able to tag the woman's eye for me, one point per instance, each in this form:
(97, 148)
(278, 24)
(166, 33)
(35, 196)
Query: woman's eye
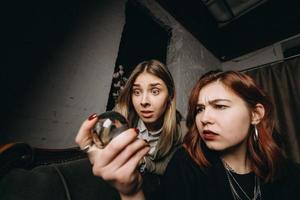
(155, 91)
(199, 109)
(220, 107)
(136, 92)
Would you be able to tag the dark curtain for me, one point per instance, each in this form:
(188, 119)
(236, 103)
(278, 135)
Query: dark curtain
(142, 39)
(281, 81)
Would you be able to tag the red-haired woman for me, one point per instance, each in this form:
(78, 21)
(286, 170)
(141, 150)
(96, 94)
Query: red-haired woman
(230, 151)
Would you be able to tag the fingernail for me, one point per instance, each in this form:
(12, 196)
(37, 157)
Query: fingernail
(146, 142)
(137, 130)
(94, 115)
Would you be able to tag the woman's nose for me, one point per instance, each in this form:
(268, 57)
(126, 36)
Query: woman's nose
(145, 100)
(206, 117)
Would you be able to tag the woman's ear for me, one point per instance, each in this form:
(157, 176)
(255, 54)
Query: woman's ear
(257, 114)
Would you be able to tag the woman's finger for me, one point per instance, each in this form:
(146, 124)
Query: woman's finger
(127, 178)
(133, 162)
(84, 137)
(127, 154)
(117, 145)
(122, 174)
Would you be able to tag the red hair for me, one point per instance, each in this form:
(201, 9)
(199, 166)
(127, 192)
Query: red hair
(265, 154)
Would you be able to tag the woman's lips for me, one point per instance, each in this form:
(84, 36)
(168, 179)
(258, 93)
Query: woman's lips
(147, 114)
(209, 135)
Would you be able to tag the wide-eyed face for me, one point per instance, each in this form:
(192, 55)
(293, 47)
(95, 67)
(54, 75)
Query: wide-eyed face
(223, 118)
(150, 99)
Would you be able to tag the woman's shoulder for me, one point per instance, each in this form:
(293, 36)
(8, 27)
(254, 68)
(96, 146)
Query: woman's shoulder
(293, 170)
(181, 154)
(183, 179)
(182, 158)
(288, 183)
(288, 176)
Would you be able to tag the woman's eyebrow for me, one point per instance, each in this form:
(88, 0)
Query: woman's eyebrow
(218, 100)
(214, 101)
(155, 84)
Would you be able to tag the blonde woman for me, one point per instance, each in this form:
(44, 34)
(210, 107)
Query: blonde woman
(148, 102)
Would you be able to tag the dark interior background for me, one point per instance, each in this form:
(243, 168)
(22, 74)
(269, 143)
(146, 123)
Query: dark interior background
(32, 32)
(57, 59)
(269, 22)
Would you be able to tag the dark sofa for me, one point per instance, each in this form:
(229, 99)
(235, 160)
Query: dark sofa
(60, 174)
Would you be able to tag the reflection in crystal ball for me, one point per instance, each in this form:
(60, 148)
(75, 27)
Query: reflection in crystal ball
(109, 125)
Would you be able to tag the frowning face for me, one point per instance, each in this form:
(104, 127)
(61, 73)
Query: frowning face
(223, 118)
(150, 99)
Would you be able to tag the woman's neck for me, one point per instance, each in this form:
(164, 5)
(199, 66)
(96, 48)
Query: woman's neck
(237, 159)
(155, 126)
(237, 164)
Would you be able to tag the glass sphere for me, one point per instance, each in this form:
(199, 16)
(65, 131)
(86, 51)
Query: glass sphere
(109, 125)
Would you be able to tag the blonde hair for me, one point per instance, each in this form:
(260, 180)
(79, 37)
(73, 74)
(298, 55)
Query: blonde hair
(170, 135)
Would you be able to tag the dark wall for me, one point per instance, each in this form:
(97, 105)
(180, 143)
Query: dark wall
(56, 65)
(32, 33)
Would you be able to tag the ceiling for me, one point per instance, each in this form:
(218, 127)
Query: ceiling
(231, 28)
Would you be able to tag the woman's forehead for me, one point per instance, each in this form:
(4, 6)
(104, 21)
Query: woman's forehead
(214, 91)
(147, 78)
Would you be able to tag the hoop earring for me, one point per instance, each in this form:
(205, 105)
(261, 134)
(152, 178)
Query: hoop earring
(255, 135)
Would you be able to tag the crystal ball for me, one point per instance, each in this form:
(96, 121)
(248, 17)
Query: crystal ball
(109, 125)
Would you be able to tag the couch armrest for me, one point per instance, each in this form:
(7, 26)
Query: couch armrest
(22, 155)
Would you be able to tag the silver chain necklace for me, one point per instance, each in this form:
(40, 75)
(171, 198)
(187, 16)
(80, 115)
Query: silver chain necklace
(235, 194)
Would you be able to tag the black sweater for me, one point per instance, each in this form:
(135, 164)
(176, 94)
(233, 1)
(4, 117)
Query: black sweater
(185, 180)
